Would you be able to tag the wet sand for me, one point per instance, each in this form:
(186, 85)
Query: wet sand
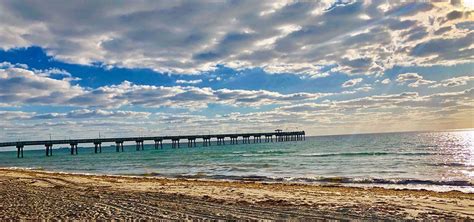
(26, 194)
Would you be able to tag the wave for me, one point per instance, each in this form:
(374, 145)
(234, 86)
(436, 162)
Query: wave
(453, 164)
(365, 154)
(262, 152)
(329, 180)
(385, 181)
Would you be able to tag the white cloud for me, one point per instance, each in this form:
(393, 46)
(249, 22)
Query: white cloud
(360, 37)
(405, 77)
(20, 86)
(182, 81)
(385, 81)
(351, 82)
(386, 112)
(415, 79)
(453, 82)
(91, 114)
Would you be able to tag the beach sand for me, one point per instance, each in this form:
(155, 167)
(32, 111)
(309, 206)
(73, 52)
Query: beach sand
(27, 194)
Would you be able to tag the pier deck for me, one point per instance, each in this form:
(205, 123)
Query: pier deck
(207, 138)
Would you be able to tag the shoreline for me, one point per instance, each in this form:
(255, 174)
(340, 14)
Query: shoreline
(323, 181)
(103, 196)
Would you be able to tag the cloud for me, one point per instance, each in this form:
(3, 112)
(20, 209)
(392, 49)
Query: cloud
(386, 112)
(453, 82)
(306, 107)
(21, 86)
(182, 81)
(16, 115)
(351, 82)
(359, 37)
(415, 79)
(91, 114)
(385, 81)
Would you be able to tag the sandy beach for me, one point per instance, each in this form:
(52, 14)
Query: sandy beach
(27, 194)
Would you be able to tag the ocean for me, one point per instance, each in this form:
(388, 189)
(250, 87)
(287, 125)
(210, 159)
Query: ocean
(439, 161)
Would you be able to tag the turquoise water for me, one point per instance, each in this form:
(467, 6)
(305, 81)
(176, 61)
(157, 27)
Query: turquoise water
(431, 160)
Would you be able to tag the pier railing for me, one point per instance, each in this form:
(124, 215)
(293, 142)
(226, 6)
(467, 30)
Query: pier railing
(220, 139)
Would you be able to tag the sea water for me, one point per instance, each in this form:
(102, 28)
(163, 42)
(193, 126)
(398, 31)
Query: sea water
(440, 161)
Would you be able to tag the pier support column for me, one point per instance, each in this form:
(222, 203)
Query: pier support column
(220, 141)
(175, 143)
(139, 145)
(19, 152)
(119, 146)
(49, 149)
(206, 141)
(97, 146)
(233, 140)
(73, 148)
(158, 143)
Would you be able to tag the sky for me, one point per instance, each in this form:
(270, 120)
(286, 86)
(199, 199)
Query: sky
(80, 69)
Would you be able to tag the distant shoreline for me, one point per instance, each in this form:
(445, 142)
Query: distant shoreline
(26, 194)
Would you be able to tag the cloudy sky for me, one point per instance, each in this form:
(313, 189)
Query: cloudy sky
(168, 67)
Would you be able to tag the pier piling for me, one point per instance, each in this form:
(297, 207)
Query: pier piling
(73, 148)
(97, 145)
(159, 143)
(140, 145)
(118, 146)
(49, 149)
(19, 149)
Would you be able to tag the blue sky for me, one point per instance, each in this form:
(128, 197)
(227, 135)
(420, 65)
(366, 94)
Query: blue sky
(142, 68)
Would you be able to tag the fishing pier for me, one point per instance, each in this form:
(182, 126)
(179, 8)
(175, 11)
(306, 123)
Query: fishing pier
(218, 139)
